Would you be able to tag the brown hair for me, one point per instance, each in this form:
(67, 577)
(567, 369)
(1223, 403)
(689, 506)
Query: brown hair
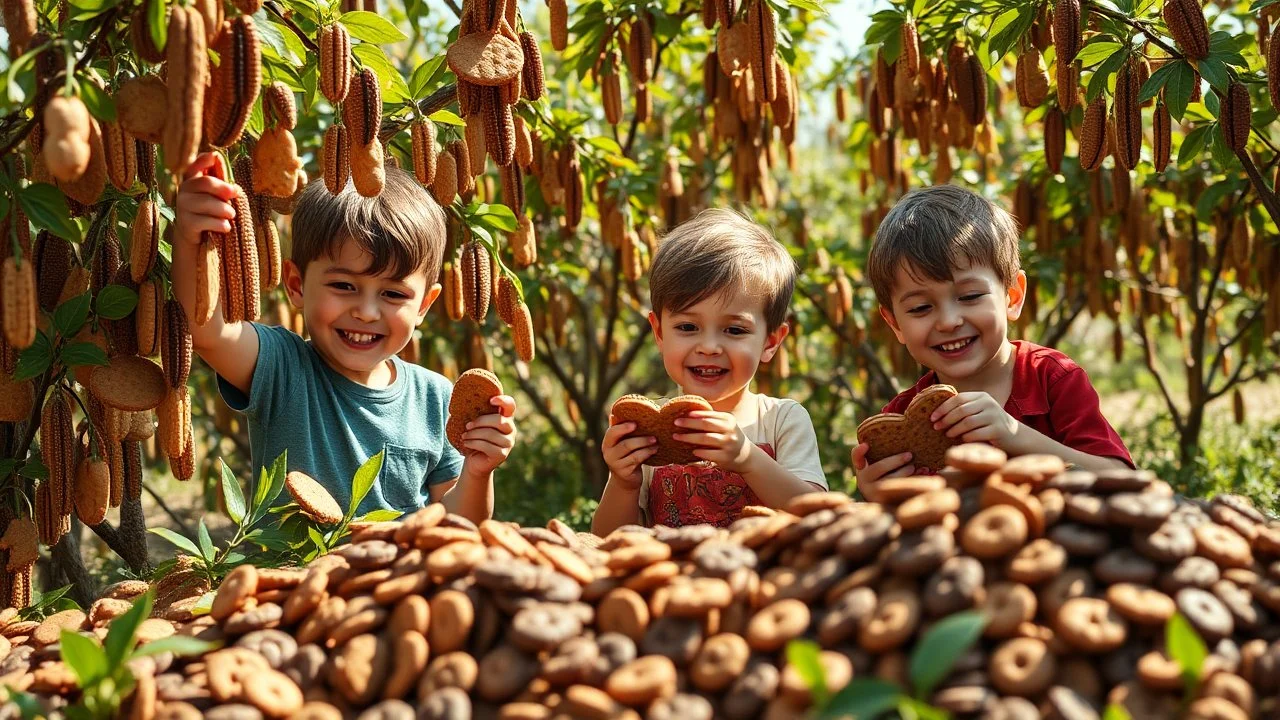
(716, 250)
(934, 230)
(403, 228)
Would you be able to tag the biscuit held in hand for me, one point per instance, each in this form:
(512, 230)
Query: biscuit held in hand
(891, 433)
(660, 423)
(471, 395)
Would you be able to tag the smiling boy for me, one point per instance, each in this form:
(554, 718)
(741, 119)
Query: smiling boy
(720, 287)
(946, 272)
(363, 271)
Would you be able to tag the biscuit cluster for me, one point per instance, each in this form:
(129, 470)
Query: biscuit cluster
(1077, 574)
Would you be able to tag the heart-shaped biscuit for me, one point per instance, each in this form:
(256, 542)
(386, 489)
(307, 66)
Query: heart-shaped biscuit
(890, 433)
(471, 395)
(660, 423)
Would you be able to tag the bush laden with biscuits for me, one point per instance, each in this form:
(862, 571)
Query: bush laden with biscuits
(1135, 144)
(1000, 588)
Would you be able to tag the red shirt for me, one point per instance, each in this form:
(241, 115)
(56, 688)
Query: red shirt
(682, 495)
(1051, 395)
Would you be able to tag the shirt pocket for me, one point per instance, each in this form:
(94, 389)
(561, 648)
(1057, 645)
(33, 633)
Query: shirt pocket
(403, 477)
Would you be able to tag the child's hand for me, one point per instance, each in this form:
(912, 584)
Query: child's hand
(871, 473)
(489, 438)
(718, 437)
(976, 417)
(204, 201)
(624, 455)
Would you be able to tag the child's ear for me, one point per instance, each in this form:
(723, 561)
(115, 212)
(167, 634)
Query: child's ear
(893, 323)
(1017, 296)
(656, 323)
(292, 280)
(774, 342)
(429, 299)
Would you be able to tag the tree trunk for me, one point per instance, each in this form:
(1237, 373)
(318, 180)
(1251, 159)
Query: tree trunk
(68, 568)
(1189, 438)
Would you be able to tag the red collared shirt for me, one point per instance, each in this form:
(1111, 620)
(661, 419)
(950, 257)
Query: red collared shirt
(1051, 395)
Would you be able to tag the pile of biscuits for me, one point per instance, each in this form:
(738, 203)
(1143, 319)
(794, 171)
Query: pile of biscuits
(436, 618)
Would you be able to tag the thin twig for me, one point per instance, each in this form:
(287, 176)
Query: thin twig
(1236, 379)
(1253, 314)
(1149, 358)
(1141, 27)
(186, 530)
(276, 10)
(454, 7)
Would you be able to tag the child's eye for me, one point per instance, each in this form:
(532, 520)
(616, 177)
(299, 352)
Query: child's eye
(686, 327)
(918, 310)
(735, 330)
(341, 286)
(396, 295)
(971, 297)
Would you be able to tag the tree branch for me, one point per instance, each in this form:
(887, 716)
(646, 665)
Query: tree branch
(875, 367)
(1237, 379)
(544, 409)
(68, 561)
(562, 376)
(1253, 315)
(182, 525)
(454, 7)
(624, 363)
(1053, 334)
(1149, 357)
(1269, 199)
(288, 22)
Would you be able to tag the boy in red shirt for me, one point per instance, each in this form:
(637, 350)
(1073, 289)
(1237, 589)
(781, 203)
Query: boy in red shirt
(946, 271)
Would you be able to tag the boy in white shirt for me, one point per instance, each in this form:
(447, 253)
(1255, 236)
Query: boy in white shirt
(719, 286)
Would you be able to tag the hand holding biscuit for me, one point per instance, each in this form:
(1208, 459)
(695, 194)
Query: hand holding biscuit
(625, 453)
(717, 438)
(488, 439)
(976, 417)
(870, 473)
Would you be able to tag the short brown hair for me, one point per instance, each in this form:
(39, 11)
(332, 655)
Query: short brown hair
(716, 250)
(403, 228)
(932, 230)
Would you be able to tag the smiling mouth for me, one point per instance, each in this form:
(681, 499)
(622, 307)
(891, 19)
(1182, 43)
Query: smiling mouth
(708, 372)
(955, 345)
(360, 339)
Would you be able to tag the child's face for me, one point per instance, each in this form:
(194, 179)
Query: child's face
(713, 348)
(955, 328)
(358, 321)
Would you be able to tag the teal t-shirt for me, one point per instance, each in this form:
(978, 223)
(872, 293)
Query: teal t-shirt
(331, 425)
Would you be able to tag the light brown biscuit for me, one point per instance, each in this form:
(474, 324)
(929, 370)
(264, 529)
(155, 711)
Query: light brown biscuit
(313, 498)
(659, 422)
(129, 383)
(890, 433)
(471, 395)
(486, 60)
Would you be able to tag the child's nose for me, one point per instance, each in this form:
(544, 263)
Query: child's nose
(366, 309)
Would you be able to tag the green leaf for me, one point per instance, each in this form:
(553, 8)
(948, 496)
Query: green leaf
(447, 117)
(157, 16)
(1177, 91)
(814, 6)
(1010, 27)
(803, 655)
(498, 217)
(270, 34)
(46, 207)
(121, 633)
(1156, 82)
(98, 102)
(1098, 82)
(84, 656)
(232, 496)
(423, 75)
(27, 703)
(381, 515)
(939, 649)
(180, 645)
(1185, 646)
(34, 469)
(1212, 197)
(1215, 71)
(1193, 144)
(34, 360)
(1116, 712)
(206, 544)
(864, 698)
(70, 316)
(389, 79)
(371, 27)
(1097, 50)
(83, 354)
(180, 541)
(363, 481)
(115, 302)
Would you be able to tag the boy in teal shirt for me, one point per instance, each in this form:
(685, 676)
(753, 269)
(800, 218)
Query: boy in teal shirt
(363, 271)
